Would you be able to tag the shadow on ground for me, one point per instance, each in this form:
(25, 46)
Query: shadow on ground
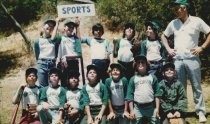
(8, 61)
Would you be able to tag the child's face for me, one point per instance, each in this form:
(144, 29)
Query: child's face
(92, 76)
(150, 32)
(141, 67)
(169, 73)
(129, 32)
(68, 29)
(54, 79)
(97, 33)
(73, 82)
(48, 28)
(31, 79)
(115, 73)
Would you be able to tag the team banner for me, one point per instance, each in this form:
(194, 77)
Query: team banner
(76, 10)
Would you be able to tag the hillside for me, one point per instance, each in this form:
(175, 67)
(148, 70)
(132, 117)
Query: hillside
(14, 60)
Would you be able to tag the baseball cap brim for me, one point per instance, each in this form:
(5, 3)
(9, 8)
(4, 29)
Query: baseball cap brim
(140, 57)
(50, 21)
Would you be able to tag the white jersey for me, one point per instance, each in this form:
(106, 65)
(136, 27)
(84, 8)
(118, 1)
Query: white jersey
(73, 98)
(124, 52)
(153, 50)
(94, 94)
(30, 96)
(117, 93)
(143, 89)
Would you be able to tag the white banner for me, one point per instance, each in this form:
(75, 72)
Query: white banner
(76, 10)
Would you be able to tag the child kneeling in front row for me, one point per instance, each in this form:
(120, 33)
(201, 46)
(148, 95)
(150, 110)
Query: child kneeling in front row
(173, 100)
(143, 94)
(73, 113)
(52, 99)
(95, 97)
(117, 89)
(28, 94)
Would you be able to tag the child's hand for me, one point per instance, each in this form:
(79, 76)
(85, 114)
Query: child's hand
(170, 115)
(98, 117)
(132, 115)
(157, 113)
(177, 114)
(77, 21)
(126, 114)
(111, 115)
(66, 106)
(45, 105)
(23, 85)
(89, 120)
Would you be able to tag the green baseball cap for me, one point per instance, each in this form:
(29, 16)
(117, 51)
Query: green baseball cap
(182, 2)
(154, 24)
(50, 21)
(68, 21)
(117, 65)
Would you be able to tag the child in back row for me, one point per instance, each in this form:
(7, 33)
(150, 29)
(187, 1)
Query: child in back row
(52, 99)
(72, 108)
(153, 48)
(117, 89)
(123, 49)
(101, 50)
(95, 97)
(70, 46)
(28, 94)
(143, 93)
(173, 100)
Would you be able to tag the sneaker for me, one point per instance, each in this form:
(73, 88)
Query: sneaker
(202, 118)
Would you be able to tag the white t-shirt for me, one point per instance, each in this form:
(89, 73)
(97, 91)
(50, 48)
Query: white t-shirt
(153, 50)
(66, 47)
(73, 98)
(30, 96)
(117, 93)
(124, 52)
(53, 97)
(186, 35)
(143, 89)
(94, 94)
(47, 49)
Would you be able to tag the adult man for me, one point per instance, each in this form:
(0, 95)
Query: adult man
(186, 30)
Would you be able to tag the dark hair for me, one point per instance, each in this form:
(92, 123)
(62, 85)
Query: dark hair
(129, 25)
(55, 71)
(99, 27)
(93, 67)
(31, 70)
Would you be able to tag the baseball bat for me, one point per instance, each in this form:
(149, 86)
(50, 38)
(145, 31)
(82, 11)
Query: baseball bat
(12, 121)
(14, 114)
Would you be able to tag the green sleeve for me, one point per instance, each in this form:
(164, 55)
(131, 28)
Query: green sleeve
(125, 85)
(43, 94)
(107, 84)
(104, 94)
(86, 99)
(182, 99)
(109, 47)
(144, 48)
(57, 42)
(116, 47)
(156, 86)
(86, 40)
(81, 101)
(36, 48)
(77, 46)
(62, 97)
(130, 91)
